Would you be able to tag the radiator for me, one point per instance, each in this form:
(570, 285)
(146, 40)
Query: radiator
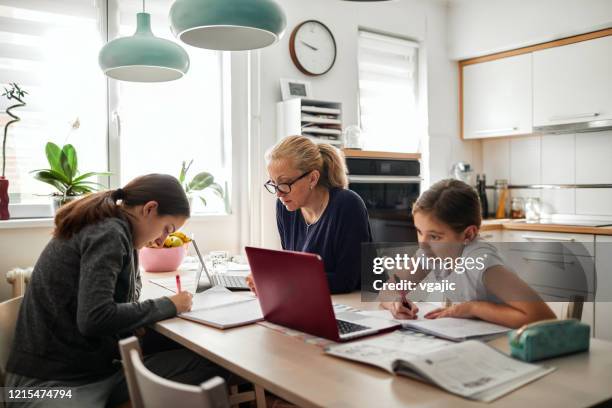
(19, 278)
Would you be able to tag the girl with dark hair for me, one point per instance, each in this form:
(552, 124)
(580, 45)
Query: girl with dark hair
(447, 218)
(83, 296)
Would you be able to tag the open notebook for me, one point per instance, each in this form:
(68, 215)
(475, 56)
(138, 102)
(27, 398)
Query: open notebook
(448, 327)
(470, 369)
(221, 308)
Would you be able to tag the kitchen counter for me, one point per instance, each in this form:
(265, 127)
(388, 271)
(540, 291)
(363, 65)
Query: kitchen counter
(521, 225)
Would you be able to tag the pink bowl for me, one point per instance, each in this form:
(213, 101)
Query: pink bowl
(161, 259)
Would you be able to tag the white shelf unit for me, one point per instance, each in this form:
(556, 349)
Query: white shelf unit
(319, 120)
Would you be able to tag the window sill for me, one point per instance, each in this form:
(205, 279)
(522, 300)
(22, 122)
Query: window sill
(19, 223)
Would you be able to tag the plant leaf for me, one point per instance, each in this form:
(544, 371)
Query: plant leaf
(47, 177)
(52, 174)
(201, 181)
(182, 173)
(217, 189)
(203, 200)
(70, 163)
(90, 174)
(89, 184)
(53, 153)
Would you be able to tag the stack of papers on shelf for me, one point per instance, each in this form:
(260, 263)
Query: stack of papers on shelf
(221, 308)
(470, 369)
(448, 327)
(318, 109)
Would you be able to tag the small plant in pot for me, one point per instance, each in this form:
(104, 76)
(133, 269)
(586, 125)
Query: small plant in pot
(198, 184)
(17, 94)
(166, 258)
(64, 176)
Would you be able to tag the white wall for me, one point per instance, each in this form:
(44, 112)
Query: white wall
(480, 27)
(420, 20)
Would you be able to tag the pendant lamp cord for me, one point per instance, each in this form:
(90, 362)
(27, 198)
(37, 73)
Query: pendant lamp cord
(143, 6)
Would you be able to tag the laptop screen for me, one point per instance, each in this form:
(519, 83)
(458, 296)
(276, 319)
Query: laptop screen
(201, 286)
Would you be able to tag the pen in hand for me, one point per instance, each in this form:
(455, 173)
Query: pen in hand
(178, 284)
(403, 294)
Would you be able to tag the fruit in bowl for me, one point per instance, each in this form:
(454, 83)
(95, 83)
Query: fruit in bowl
(166, 258)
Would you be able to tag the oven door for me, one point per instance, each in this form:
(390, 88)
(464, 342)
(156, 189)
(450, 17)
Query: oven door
(389, 202)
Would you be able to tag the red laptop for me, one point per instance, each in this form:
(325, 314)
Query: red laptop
(293, 292)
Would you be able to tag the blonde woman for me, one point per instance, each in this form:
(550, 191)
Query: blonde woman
(315, 212)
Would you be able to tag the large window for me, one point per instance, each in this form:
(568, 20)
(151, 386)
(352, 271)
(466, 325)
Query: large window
(388, 86)
(163, 124)
(50, 48)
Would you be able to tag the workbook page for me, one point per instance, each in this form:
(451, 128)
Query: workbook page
(384, 351)
(472, 368)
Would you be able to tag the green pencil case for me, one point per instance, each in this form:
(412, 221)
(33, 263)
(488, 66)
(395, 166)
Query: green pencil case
(549, 338)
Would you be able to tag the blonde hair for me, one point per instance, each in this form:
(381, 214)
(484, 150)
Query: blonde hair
(307, 156)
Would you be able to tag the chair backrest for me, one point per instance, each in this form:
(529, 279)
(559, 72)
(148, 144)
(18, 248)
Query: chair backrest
(9, 311)
(152, 391)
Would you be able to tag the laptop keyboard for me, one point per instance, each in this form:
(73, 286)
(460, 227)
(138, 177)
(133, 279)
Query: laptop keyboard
(230, 281)
(345, 327)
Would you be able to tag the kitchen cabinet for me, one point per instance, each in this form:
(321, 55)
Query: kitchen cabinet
(542, 263)
(603, 306)
(496, 98)
(573, 83)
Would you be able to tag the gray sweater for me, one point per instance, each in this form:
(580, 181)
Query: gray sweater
(82, 298)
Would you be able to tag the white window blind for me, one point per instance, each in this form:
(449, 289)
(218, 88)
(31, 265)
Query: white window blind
(163, 124)
(388, 68)
(49, 48)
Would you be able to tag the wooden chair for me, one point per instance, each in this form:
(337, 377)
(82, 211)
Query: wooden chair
(152, 391)
(9, 311)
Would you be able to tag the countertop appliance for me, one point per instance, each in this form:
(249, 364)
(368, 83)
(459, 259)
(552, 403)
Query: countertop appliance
(388, 187)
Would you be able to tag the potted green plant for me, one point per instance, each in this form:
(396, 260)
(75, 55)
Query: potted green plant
(63, 174)
(198, 184)
(17, 94)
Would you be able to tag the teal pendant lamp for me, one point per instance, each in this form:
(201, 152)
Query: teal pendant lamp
(230, 25)
(143, 57)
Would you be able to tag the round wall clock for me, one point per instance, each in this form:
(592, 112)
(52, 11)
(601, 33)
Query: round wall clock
(313, 48)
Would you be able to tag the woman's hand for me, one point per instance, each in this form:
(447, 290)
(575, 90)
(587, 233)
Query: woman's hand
(251, 283)
(402, 310)
(182, 301)
(463, 310)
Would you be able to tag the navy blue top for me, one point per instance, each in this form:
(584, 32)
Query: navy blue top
(336, 237)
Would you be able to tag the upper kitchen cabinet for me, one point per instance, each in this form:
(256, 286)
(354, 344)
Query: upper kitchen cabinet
(573, 83)
(497, 97)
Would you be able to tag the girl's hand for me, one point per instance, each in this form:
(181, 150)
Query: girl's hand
(462, 310)
(182, 301)
(402, 310)
(251, 283)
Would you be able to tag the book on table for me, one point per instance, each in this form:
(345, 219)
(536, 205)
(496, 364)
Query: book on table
(221, 308)
(448, 328)
(470, 369)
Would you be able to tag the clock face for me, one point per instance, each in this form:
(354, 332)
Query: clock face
(313, 48)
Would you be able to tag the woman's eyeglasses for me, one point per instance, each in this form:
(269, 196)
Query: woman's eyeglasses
(283, 188)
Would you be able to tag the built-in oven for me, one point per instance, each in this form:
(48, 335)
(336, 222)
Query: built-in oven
(388, 187)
